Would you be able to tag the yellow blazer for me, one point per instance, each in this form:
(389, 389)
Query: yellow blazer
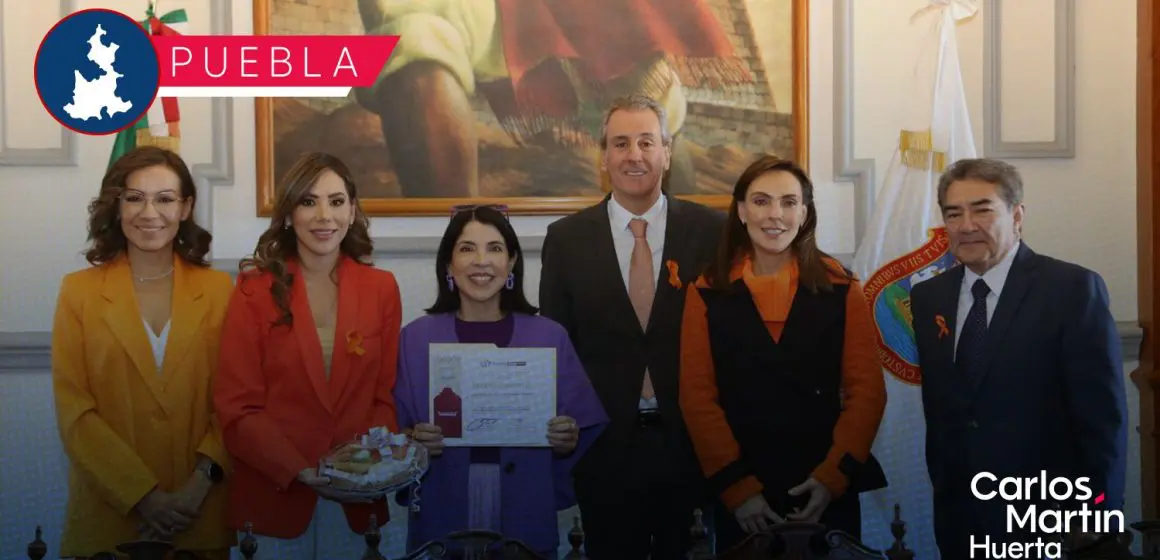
(126, 427)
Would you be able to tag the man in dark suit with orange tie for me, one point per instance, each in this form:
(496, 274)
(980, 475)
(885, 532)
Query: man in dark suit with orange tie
(614, 276)
(1021, 369)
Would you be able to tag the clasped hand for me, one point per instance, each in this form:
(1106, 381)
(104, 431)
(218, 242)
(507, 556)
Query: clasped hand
(820, 498)
(755, 515)
(165, 514)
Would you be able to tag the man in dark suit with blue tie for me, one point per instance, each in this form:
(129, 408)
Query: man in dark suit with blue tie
(1021, 367)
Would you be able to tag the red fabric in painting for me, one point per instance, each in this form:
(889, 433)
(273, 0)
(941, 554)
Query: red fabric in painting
(602, 39)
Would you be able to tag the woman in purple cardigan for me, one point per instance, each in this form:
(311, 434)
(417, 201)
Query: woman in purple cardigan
(514, 491)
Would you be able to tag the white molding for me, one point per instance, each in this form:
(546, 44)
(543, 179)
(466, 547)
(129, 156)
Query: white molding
(1063, 146)
(846, 166)
(32, 351)
(220, 169)
(64, 155)
(387, 248)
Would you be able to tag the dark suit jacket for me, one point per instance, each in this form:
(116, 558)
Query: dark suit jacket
(582, 288)
(1052, 395)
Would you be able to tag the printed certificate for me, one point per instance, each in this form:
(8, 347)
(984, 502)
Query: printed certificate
(483, 395)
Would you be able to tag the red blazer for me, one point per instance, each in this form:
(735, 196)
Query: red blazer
(278, 412)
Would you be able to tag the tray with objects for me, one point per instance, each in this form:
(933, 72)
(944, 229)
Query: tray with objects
(373, 466)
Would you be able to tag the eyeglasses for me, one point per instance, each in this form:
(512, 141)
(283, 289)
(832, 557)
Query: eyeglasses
(501, 208)
(137, 200)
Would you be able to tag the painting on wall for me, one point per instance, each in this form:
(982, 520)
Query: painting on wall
(502, 101)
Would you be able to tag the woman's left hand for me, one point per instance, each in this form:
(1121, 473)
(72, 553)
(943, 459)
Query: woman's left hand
(563, 434)
(820, 497)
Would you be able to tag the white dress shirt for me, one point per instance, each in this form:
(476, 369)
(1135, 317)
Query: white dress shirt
(623, 241)
(995, 278)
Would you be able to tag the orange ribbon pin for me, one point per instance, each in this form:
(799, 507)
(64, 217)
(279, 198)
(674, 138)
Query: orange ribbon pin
(674, 273)
(942, 326)
(354, 343)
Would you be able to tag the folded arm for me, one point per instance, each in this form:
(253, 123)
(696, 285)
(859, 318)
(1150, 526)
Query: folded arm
(864, 397)
(249, 433)
(717, 449)
(106, 460)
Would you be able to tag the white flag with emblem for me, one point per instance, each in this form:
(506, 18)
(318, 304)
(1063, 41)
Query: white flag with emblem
(905, 244)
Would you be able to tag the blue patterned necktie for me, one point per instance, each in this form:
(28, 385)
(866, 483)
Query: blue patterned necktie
(969, 356)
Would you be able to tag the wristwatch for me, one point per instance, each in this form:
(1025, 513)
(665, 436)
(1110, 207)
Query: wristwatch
(213, 472)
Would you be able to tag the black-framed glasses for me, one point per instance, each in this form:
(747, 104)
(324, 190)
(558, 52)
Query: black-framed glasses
(501, 208)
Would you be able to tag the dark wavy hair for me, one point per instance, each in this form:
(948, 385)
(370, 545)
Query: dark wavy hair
(106, 238)
(510, 301)
(814, 271)
(279, 243)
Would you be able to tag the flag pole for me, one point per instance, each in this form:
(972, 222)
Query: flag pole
(150, 13)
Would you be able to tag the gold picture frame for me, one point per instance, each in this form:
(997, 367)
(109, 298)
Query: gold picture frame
(287, 127)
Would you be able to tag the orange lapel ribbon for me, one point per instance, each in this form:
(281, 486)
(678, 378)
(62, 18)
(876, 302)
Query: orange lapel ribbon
(354, 343)
(674, 276)
(942, 326)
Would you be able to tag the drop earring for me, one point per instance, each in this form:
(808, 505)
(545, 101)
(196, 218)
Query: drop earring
(450, 282)
(511, 281)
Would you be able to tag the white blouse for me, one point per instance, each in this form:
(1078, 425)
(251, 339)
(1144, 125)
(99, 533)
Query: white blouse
(158, 341)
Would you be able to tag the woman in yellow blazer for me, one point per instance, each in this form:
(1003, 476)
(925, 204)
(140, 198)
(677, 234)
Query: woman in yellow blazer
(134, 348)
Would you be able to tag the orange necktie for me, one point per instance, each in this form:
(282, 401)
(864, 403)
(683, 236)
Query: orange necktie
(641, 284)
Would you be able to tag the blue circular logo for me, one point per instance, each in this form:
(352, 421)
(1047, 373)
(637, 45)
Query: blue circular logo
(97, 72)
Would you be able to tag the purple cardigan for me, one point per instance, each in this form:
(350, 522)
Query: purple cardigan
(535, 483)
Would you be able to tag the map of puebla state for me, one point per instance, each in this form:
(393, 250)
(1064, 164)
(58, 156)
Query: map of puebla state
(97, 72)
(90, 97)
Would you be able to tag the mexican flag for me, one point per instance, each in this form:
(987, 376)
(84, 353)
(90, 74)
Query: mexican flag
(160, 126)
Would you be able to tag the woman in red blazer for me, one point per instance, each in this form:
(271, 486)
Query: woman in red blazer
(307, 361)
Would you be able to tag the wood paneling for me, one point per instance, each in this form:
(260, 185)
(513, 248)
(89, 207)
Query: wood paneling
(1146, 377)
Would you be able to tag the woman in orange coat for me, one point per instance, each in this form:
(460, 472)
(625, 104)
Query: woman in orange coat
(134, 349)
(781, 386)
(308, 358)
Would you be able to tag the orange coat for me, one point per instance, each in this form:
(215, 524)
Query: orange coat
(280, 414)
(125, 426)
